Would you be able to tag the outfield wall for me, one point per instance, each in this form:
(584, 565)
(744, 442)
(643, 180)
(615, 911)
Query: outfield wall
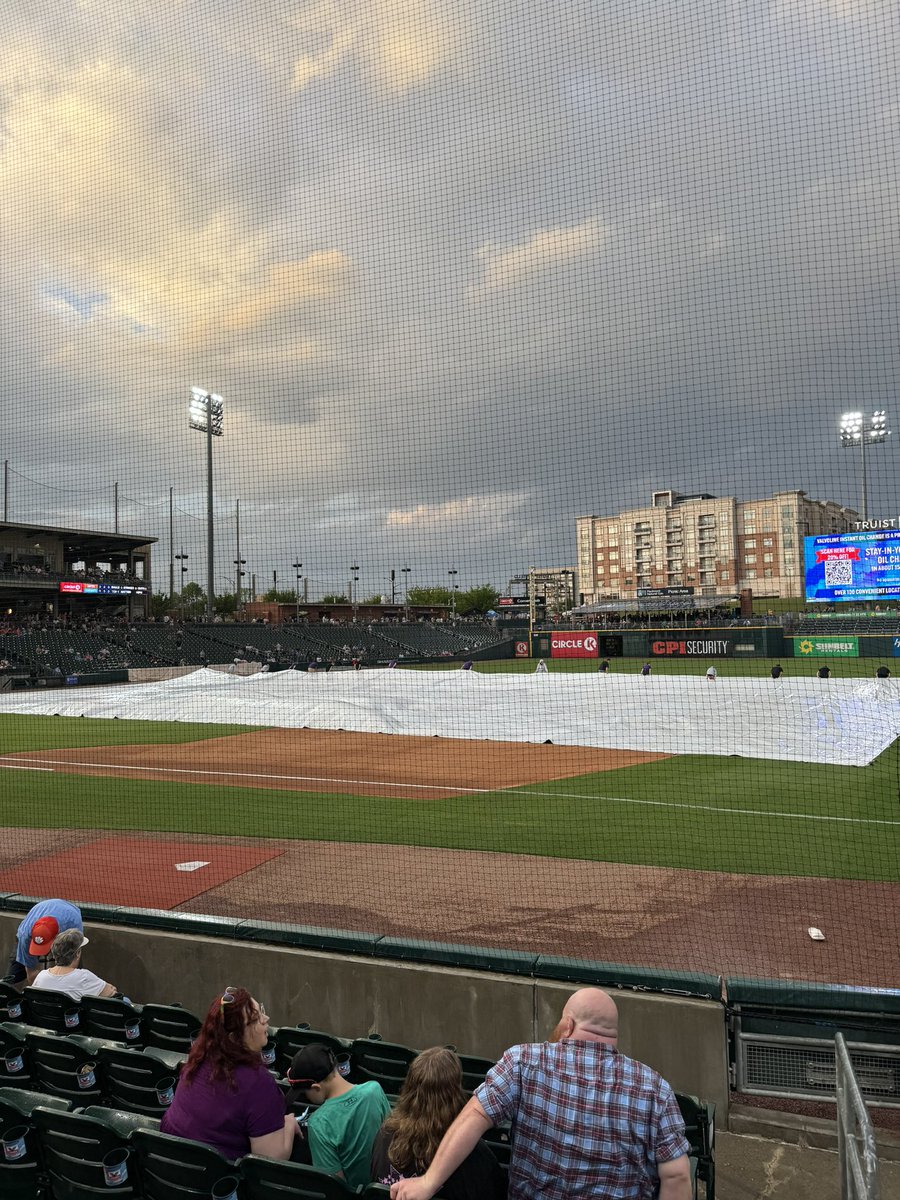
(418, 1005)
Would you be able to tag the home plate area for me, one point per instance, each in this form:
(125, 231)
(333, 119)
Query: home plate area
(135, 872)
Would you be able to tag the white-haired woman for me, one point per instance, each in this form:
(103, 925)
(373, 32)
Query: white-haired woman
(66, 973)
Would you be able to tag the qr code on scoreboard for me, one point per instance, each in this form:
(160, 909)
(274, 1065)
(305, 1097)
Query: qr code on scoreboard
(838, 572)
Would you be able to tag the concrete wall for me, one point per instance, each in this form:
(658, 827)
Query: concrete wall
(480, 1013)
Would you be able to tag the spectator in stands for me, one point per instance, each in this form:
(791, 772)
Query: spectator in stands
(586, 1120)
(824, 672)
(225, 1095)
(430, 1100)
(36, 934)
(66, 973)
(347, 1116)
(777, 671)
(883, 673)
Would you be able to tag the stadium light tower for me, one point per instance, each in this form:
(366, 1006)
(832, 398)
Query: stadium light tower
(298, 567)
(860, 429)
(206, 415)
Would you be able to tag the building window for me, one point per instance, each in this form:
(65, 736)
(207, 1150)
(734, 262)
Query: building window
(768, 572)
(749, 558)
(750, 573)
(750, 528)
(750, 544)
(749, 514)
(768, 558)
(614, 554)
(768, 542)
(613, 568)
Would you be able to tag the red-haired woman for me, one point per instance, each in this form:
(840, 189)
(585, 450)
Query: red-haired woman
(430, 1100)
(226, 1096)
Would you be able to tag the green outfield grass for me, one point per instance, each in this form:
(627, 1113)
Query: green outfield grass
(727, 668)
(710, 813)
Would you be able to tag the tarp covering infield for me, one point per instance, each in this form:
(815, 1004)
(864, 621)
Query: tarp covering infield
(841, 722)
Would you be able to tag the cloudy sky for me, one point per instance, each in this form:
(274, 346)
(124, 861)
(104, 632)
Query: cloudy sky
(462, 269)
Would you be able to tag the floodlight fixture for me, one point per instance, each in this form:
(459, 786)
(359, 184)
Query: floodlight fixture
(206, 409)
(862, 429)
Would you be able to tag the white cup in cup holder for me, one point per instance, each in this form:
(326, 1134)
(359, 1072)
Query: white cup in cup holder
(14, 1062)
(87, 1075)
(14, 1147)
(115, 1167)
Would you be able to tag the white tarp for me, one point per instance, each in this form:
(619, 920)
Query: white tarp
(845, 722)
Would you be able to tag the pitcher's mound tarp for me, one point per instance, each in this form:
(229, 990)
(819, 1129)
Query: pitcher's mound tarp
(134, 872)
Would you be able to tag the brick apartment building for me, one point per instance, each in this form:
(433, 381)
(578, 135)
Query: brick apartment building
(712, 544)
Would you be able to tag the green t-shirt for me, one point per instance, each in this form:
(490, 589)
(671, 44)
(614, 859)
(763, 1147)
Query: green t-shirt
(341, 1132)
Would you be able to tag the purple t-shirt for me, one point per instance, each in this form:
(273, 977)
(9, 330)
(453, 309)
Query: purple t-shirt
(223, 1117)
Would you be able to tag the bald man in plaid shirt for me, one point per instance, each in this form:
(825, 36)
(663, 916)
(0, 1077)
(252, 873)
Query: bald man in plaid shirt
(587, 1121)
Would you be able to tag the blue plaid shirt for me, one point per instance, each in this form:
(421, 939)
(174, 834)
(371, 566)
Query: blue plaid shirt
(586, 1121)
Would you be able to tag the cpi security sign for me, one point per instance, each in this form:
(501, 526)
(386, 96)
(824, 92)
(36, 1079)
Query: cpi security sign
(573, 645)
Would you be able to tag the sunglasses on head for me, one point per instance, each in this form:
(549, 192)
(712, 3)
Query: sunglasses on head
(229, 998)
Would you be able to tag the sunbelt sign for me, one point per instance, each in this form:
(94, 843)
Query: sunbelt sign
(826, 647)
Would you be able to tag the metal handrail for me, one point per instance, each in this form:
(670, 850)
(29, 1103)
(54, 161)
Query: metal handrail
(859, 1172)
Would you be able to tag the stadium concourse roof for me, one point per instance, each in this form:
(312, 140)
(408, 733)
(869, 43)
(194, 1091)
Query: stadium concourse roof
(91, 540)
(654, 604)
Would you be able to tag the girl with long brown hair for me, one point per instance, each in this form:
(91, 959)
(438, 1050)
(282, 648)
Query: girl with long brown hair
(430, 1099)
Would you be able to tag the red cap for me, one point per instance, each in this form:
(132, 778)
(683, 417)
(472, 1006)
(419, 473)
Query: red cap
(43, 931)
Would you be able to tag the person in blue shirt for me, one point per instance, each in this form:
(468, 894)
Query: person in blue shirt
(35, 935)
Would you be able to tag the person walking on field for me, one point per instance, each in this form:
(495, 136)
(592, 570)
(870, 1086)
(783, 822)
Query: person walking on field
(586, 1120)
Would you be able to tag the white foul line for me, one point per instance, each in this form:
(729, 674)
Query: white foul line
(513, 791)
(15, 767)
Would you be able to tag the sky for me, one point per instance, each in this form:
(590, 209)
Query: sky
(462, 270)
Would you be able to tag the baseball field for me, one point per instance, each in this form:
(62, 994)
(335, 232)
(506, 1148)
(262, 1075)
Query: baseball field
(672, 860)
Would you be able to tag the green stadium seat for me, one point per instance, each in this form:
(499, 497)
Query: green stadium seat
(59, 1064)
(131, 1079)
(700, 1130)
(16, 1104)
(72, 1149)
(269, 1179)
(112, 1019)
(122, 1123)
(291, 1038)
(173, 1168)
(385, 1062)
(21, 1180)
(51, 1010)
(169, 1027)
(15, 1062)
(10, 1002)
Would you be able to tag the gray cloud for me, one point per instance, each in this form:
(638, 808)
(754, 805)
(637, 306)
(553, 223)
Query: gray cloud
(460, 271)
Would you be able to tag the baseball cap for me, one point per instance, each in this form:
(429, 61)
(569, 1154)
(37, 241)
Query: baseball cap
(43, 931)
(310, 1065)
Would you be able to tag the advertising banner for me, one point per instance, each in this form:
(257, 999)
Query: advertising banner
(852, 566)
(573, 644)
(718, 647)
(826, 647)
(897, 647)
(521, 649)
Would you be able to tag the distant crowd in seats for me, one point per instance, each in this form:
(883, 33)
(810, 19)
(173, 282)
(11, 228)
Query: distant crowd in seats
(584, 1118)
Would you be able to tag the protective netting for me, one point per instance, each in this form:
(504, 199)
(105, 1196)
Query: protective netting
(545, 335)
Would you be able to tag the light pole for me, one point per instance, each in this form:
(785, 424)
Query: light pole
(857, 429)
(239, 562)
(298, 567)
(182, 558)
(206, 415)
(354, 579)
(453, 573)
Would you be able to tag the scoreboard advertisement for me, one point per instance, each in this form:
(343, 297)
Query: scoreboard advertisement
(852, 566)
